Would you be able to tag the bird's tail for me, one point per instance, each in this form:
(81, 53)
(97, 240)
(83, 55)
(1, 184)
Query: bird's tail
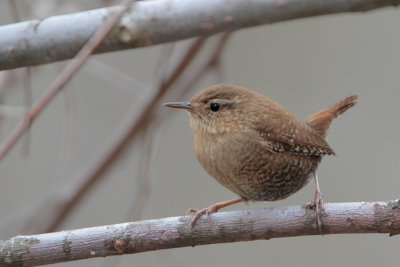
(321, 120)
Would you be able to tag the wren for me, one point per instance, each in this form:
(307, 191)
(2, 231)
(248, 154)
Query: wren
(255, 147)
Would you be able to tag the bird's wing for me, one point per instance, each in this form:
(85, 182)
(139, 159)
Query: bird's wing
(283, 132)
(295, 142)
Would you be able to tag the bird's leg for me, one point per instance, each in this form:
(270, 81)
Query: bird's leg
(318, 202)
(211, 209)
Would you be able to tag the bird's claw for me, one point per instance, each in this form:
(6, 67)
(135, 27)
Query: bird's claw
(318, 206)
(191, 210)
(198, 213)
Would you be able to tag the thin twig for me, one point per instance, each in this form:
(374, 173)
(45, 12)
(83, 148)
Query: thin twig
(130, 128)
(150, 24)
(224, 227)
(63, 198)
(27, 80)
(149, 141)
(151, 138)
(133, 125)
(212, 63)
(70, 70)
(196, 73)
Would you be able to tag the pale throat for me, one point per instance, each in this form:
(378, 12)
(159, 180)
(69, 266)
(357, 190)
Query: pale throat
(203, 128)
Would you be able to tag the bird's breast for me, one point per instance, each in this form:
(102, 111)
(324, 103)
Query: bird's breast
(219, 156)
(250, 170)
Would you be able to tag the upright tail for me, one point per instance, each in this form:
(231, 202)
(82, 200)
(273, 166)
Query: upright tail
(321, 120)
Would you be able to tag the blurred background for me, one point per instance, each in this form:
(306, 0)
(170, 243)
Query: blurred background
(305, 65)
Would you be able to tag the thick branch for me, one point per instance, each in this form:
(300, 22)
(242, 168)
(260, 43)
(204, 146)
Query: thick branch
(154, 22)
(235, 226)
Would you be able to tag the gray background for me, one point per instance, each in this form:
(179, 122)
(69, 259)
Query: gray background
(305, 65)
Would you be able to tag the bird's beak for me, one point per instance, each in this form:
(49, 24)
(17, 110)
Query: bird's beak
(182, 105)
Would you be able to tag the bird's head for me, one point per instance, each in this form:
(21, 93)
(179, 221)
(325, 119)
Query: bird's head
(220, 109)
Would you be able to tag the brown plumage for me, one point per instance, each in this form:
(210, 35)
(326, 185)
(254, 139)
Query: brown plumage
(255, 147)
(321, 120)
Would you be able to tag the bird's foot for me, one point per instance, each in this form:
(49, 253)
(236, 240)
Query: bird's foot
(211, 209)
(198, 213)
(318, 206)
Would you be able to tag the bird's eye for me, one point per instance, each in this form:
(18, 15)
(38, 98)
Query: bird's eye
(215, 107)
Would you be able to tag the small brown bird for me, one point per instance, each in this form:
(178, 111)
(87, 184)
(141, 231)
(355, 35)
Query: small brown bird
(255, 147)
